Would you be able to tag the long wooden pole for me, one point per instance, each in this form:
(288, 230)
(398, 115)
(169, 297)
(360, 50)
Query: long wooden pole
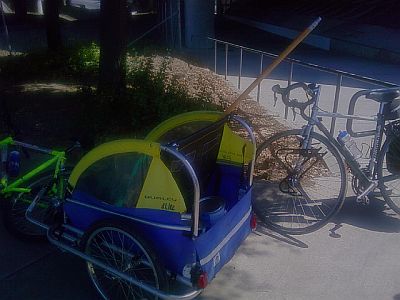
(273, 65)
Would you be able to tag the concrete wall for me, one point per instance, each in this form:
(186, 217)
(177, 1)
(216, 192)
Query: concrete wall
(199, 23)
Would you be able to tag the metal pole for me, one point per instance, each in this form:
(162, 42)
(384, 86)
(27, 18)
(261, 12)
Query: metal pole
(336, 102)
(39, 7)
(165, 24)
(5, 27)
(215, 56)
(179, 25)
(240, 66)
(289, 83)
(171, 25)
(150, 30)
(226, 61)
(259, 85)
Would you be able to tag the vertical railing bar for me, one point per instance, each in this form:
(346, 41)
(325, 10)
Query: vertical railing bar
(290, 79)
(179, 19)
(226, 61)
(165, 24)
(259, 85)
(319, 68)
(5, 28)
(240, 66)
(172, 26)
(336, 102)
(215, 56)
(290, 74)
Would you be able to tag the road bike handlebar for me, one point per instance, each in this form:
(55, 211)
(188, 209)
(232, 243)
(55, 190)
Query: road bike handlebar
(309, 89)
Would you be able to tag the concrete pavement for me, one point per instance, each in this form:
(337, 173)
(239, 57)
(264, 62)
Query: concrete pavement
(360, 260)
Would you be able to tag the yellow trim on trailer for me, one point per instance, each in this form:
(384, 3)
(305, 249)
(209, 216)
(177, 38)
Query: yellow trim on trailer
(234, 149)
(171, 123)
(160, 190)
(110, 148)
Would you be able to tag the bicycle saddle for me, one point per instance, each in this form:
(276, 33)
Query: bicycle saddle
(391, 110)
(383, 95)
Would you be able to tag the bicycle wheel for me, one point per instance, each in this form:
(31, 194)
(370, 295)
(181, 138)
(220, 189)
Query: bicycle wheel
(15, 208)
(298, 191)
(389, 181)
(117, 246)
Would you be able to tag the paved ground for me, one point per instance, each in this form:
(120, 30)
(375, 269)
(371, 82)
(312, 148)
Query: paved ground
(359, 261)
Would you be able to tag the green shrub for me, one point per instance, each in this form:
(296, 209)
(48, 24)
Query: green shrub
(84, 61)
(150, 96)
(76, 64)
(149, 99)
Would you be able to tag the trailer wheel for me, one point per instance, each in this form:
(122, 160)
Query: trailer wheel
(119, 247)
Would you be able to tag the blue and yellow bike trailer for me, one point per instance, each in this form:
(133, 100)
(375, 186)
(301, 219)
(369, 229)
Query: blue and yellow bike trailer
(158, 218)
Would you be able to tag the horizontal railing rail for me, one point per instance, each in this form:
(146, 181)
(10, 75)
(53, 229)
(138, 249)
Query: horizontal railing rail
(340, 75)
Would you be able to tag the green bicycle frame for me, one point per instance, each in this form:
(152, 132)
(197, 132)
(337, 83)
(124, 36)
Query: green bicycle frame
(58, 159)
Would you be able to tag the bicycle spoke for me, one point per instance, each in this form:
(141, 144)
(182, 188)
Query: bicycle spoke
(318, 175)
(119, 250)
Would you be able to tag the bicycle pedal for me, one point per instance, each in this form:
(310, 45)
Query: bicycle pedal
(364, 200)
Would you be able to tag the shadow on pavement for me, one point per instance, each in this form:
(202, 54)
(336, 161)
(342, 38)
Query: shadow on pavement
(60, 276)
(282, 237)
(38, 271)
(376, 216)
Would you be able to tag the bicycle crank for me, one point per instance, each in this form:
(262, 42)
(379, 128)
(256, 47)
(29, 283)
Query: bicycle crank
(363, 197)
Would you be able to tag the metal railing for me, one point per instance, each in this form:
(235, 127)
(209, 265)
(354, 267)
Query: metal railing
(340, 75)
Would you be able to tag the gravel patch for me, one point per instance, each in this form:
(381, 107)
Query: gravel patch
(198, 81)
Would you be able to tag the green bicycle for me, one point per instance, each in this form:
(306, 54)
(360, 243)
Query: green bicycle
(17, 191)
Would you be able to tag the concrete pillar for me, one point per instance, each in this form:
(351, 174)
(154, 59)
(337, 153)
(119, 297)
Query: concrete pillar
(39, 7)
(199, 23)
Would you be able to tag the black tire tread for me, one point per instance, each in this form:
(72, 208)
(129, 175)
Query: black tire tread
(8, 220)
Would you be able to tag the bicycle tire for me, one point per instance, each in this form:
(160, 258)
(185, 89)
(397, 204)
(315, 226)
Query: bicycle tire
(392, 200)
(293, 208)
(116, 244)
(15, 208)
